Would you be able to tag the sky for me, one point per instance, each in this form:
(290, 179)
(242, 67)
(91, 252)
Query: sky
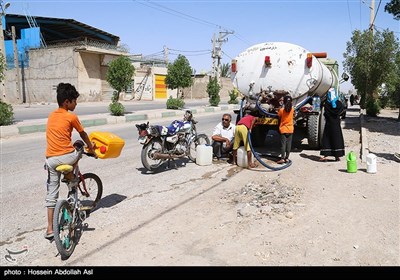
(187, 27)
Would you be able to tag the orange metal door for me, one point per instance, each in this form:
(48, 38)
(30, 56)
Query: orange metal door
(161, 88)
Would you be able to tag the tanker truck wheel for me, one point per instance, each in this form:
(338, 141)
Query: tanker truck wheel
(315, 129)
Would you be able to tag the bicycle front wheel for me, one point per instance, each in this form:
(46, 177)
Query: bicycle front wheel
(63, 228)
(90, 190)
(201, 139)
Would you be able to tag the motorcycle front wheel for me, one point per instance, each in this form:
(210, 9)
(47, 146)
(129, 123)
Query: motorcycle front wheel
(201, 139)
(147, 156)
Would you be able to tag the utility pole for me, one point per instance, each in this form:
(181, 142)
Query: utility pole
(371, 17)
(2, 47)
(16, 63)
(166, 55)
(213, 56)
(217, 53)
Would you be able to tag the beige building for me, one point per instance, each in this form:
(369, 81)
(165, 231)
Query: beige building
(80, 57)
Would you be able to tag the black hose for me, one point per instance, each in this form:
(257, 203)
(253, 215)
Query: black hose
(256, 154)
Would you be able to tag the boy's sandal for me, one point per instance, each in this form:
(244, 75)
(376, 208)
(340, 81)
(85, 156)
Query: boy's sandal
(49, 236)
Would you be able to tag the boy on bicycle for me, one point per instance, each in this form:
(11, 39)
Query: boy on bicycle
(60, 150)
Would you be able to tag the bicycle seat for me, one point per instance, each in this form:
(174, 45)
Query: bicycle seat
(64, 168)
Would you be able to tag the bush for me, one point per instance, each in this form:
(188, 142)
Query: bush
(6, 113)
(175, 103)
(213, 89)
(116, 109)
(372, 107)
(233, 95)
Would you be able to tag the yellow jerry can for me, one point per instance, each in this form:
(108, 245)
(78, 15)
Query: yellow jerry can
(108, 145)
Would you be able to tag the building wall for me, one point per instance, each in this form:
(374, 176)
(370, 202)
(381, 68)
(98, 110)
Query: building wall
(47, 68)
(199, 88)
(89, 77)
(87, 70)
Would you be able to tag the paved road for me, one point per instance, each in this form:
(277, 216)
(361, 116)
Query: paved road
(33, 118)
(24, 112)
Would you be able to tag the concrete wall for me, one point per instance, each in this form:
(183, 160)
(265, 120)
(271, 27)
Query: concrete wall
(47, 68)
(86, 69)
(199, 88)
(89, 77)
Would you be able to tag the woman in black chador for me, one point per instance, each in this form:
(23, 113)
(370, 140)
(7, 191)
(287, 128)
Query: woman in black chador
(332, 139)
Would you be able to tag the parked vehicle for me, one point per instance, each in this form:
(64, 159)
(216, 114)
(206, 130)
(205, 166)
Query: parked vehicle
(266, 72)
(165, 143)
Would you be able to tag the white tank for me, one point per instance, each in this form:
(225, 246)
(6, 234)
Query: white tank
(278, 66)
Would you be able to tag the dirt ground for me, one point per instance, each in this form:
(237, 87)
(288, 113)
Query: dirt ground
(311, 214)
(315, 213)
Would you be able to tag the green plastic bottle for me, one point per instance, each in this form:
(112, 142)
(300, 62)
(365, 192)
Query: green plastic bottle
(351, 162)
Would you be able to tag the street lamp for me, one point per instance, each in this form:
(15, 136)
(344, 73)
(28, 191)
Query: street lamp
(2, 47)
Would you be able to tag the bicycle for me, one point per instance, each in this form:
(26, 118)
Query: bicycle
(84, 192)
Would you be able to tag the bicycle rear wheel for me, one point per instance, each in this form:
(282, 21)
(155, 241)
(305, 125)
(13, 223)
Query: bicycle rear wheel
(63, 225)
(90, 190)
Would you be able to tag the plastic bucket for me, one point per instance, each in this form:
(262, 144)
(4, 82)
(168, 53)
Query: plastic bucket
(351, 162)
(371, 163)
(204, 154)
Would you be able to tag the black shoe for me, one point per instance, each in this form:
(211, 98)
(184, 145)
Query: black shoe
(49, 236)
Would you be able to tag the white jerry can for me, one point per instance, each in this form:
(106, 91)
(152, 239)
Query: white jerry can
(204, 154)
(242, 157)
(371, 163)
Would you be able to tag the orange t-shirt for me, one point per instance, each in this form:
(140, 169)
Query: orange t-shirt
(58, 132)
(286, 121)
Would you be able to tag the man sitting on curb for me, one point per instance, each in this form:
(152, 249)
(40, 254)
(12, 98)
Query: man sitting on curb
(223, 137)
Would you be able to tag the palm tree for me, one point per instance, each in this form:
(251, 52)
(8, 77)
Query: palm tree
(225, 70)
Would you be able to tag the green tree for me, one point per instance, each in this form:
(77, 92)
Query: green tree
(119, 76)
(6, 110)
(213, 89)
(179, 75)
(370, 60)
(225, 70)
(393, 87)
(393, 7)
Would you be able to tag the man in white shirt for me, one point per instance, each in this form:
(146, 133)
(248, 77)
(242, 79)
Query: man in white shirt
(223, 137)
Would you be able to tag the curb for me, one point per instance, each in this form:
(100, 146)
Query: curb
(104, 119)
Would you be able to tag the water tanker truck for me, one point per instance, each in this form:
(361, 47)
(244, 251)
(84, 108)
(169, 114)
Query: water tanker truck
(266, 72)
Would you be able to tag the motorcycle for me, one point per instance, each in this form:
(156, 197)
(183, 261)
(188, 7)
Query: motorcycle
(162, 143)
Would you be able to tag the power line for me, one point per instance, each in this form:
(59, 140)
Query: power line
(177, 13)
(199, 54)
(348, 10)
(189, 51)
(380, 1)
